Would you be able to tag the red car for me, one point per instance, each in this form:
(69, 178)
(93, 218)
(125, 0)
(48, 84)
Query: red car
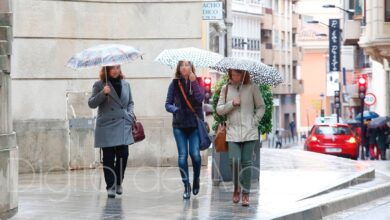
(334, 139)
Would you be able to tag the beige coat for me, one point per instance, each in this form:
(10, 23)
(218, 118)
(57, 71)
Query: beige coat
(242, 121)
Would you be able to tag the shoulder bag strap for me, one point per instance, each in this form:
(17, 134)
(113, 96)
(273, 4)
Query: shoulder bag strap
(226, 92)
(186, 99)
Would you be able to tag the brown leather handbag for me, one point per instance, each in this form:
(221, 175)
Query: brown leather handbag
(138, 131)
(220, 138)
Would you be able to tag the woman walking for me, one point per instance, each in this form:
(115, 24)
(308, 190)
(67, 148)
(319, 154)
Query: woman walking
(185, 86)
(113, 125)
(244, 108)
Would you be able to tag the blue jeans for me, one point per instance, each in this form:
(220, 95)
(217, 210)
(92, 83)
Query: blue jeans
(187, 141)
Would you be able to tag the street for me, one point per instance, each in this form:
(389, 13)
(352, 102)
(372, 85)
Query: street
(177, 109)
(290, 179)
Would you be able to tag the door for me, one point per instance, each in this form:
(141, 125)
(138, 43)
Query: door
(81, 120)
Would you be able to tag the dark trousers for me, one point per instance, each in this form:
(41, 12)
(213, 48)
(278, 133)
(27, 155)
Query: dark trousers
(278, 144)
(114, 164)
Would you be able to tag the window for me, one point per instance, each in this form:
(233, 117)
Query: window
(276, 6)
(328, 130)
(276, 38)
(358, 7)
(351, 4)
(387, 10)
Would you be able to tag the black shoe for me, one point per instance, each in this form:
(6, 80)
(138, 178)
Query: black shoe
(196, 186)
(111, 192)
(119, 190)
(187, 191)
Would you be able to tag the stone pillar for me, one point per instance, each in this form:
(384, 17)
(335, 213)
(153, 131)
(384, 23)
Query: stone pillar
(8, 148)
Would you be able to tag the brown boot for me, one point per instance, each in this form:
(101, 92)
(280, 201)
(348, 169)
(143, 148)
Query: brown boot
(236, 195)
(245, 199)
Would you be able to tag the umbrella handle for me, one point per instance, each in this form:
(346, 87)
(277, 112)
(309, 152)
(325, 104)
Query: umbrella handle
(242, 82)
(105, 73)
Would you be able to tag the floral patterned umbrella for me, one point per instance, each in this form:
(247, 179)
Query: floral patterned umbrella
(104, 55)
(260, 73)
(198, 57)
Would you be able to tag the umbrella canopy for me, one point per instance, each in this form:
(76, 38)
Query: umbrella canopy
(198, 57)
(367, 115)
(352, 121)
(260, 73)
(104, 55)
(379, 122)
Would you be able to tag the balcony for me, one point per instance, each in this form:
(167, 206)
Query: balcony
(296, 55)
(375, 38)
(253, 7)
(297, 86)
(267, 54)
(295, 21)
(279, 57)
(282, 89)
(266, 19)
(351, 32)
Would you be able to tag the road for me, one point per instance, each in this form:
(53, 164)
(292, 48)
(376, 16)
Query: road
(376, 210)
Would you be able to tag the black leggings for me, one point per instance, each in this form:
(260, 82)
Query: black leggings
(114, 164)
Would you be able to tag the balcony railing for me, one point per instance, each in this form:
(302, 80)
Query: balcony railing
(352, 32)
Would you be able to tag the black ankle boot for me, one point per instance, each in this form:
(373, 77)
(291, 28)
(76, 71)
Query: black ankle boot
(196, 186)
(187, 191)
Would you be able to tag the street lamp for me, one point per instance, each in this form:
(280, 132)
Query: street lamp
(322, 113)
(319, 22)
(350, 12)
(316, 22)
(321, 35)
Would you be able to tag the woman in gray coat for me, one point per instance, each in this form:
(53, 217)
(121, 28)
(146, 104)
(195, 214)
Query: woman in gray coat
(113, 132)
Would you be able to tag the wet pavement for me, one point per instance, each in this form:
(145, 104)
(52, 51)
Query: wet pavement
(286, 177)
(378, 209)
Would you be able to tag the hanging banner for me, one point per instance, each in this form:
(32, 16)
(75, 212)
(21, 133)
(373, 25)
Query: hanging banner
(334, 45)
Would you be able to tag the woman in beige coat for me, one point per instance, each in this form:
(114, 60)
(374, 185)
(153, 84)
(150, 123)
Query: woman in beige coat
(244, 108)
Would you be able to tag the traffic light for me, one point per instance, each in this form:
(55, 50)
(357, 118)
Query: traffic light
(337, 99)
(207, 88)
(337, 104)
(362, 85)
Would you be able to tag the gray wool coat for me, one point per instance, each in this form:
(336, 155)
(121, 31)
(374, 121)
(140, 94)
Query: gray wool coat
(115, 115)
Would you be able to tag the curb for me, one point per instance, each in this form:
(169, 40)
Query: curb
(358, 179)
(340, 204)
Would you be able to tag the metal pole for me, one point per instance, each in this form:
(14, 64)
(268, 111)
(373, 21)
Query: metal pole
(362, 136)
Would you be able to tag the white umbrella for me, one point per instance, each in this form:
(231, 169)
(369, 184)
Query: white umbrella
(104, 55)
(260, 73)
(198, 57)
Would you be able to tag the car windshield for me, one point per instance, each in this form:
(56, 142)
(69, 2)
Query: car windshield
(329, 130)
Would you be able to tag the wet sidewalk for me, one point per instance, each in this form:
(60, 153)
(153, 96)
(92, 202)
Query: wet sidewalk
(286, 178)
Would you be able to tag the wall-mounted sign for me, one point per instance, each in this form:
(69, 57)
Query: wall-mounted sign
(332, 83)
(334, 45)
(212, 11)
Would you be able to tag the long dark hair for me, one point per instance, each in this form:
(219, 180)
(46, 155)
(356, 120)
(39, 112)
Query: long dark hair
(247, 79)
(102, 74)
(177, 73)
